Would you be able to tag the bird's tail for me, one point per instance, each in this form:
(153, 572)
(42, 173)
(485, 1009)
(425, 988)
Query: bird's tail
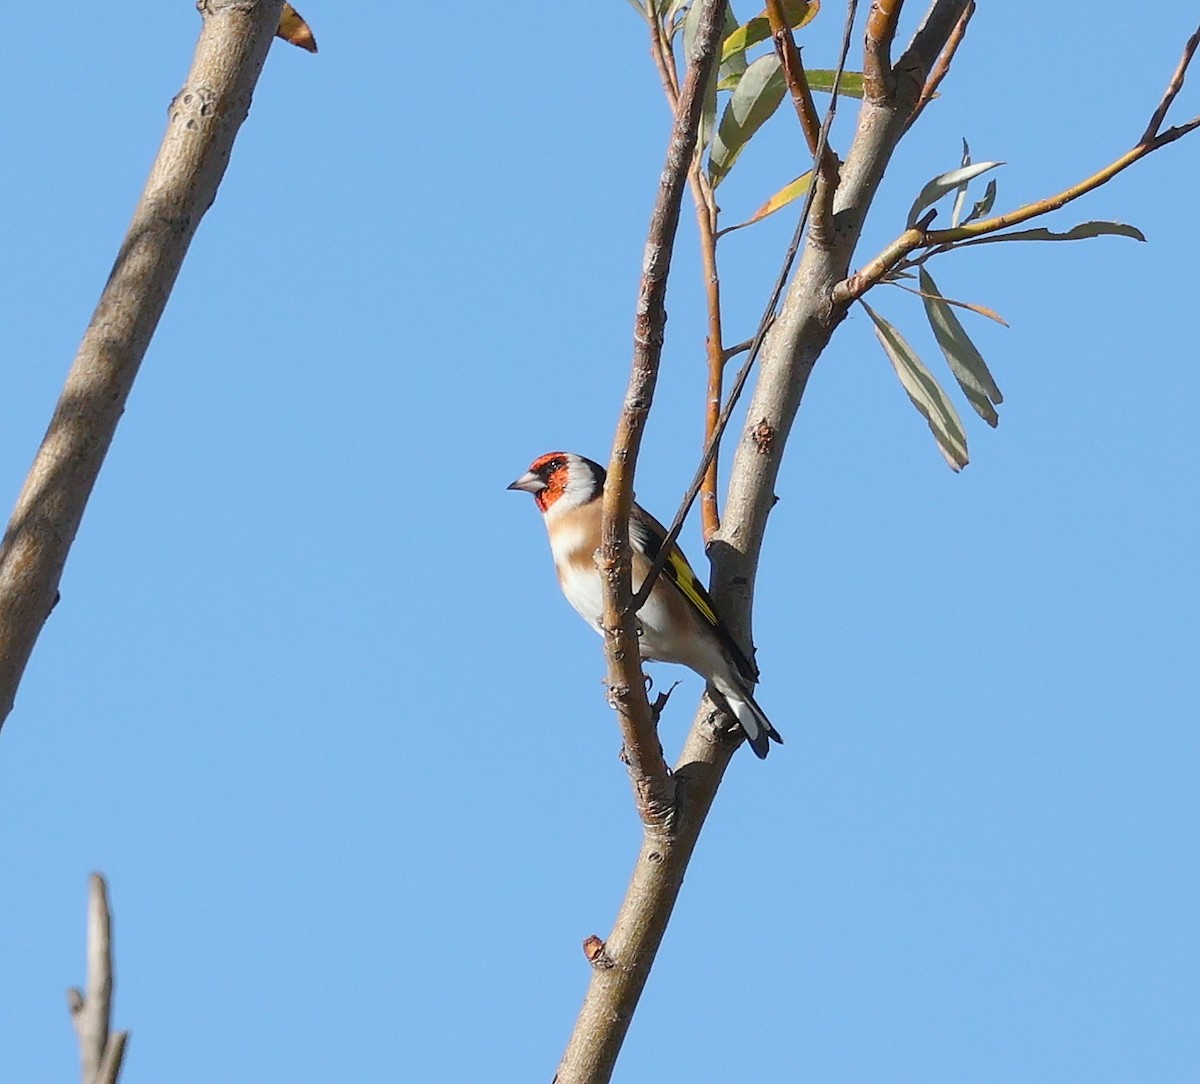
(752, 719)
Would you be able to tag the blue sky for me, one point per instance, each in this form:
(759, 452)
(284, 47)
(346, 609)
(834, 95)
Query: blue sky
(311, 699)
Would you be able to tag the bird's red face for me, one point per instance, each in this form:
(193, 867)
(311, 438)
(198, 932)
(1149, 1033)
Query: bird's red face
(561, 476)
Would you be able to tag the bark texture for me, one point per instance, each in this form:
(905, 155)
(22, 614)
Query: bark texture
(202, 122)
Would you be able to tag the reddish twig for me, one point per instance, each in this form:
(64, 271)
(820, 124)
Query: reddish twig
(652, 782)
(801, 93)
(877, 49)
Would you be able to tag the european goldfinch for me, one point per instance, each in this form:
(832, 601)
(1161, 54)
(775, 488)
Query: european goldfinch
(679, 622)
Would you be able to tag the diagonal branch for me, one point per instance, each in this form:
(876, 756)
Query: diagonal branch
(203, 120)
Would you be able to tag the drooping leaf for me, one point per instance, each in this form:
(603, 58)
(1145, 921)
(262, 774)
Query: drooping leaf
(960, 195)
(798, 13)
(984, 205)
(925, 393)
(1076, 233)
(966, 363)
(755, 98)
(851, 83)
(943, 183)
(732, 66)
(294, 30)
(790, 191)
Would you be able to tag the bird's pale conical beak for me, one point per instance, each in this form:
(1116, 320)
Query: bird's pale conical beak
(528, 483)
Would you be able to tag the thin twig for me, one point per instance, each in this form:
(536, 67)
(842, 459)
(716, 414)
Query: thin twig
(877, 49)
(1173, 88)
(942, 67)
(802, 101)
(100, 1050)
(202, 122)
(706, 222)
(710, 516)
(764, 325)
(664, 60)
(732, 352)
(897, 254)
(653, 787)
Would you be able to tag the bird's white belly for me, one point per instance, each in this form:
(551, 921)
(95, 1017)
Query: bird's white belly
(663, 637)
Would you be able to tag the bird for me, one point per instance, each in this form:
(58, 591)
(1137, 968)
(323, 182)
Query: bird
(679, 622)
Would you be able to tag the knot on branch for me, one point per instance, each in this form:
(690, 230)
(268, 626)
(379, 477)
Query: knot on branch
(597, 955)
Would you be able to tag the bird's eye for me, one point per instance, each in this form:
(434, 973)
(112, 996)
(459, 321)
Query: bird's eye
(555, 464)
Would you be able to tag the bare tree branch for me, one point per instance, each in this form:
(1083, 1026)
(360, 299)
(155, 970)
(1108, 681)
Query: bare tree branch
(100, 1051)
(614, 991)
(1173, 88)
(202, 123)
(652, 783)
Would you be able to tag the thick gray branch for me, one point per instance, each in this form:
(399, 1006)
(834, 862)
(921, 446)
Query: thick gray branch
(202, 123)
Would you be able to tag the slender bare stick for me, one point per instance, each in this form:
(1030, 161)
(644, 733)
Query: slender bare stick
(706, 218)
(706, 223)
(653, 787)
(806, 109)
(1173, 88)
(100, 1051)
(202, 123)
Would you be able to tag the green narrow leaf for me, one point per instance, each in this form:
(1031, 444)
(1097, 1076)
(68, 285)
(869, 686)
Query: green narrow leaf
(790, 191)
(984, 205)
(960, 196)
(943, 183)
(851, 83)
(966, 363)
(731, 66)
(1077, 233)
(756, 97)
(798, 13)
(925, 392)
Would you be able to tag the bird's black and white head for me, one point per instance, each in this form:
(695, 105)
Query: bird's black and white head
(561, 481)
